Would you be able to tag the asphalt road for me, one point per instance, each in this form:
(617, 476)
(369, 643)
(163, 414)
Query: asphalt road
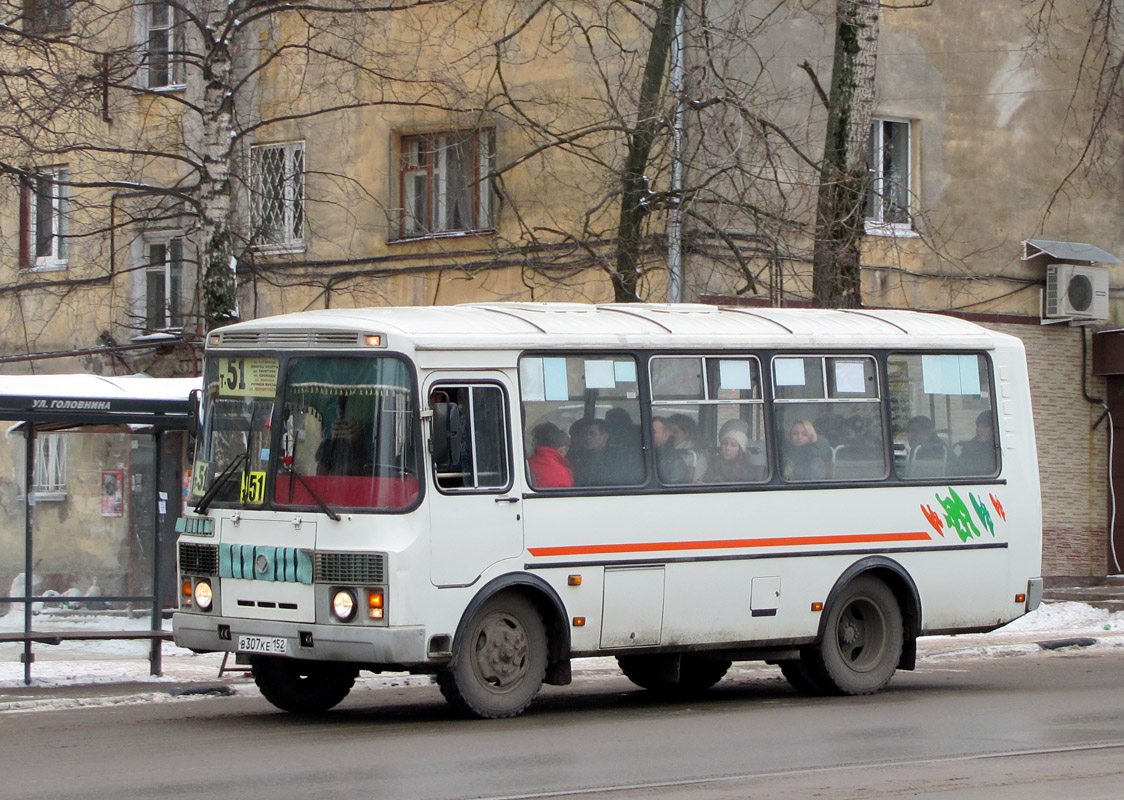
(1029, 726)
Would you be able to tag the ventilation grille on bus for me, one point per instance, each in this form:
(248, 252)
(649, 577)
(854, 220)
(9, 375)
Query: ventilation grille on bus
(290, 339)
(199, 559)
(350, 568)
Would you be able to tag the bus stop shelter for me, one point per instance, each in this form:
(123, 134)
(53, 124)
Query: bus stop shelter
(112, 518)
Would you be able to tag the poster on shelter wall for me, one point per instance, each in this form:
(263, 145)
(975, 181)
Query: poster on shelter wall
(113, 492)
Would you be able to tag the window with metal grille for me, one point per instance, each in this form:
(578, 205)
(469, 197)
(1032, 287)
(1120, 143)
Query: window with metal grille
(444, 183)
(164, 46)
(44, 209)
(163, 281)
(50, 467)
(277, 185)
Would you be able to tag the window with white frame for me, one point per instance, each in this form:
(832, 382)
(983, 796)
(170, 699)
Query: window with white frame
(443, 182)
(163, 282)
(277, 187)
(50, 467)
(44, 16)
(164, 45)
(888, 202)
(43, 215)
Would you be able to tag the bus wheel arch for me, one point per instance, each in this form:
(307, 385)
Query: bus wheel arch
(901, 583)
(511, 639)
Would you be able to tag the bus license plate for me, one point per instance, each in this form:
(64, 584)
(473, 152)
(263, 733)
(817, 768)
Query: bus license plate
(270, 645)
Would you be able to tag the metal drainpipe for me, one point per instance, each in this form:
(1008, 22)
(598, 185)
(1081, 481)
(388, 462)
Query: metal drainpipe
(675, 215)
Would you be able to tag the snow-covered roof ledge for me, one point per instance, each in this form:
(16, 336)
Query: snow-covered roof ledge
(1067, 252)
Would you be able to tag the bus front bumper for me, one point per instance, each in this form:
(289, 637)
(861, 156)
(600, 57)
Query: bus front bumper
(401, 646)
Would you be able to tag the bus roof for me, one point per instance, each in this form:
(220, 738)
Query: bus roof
(535, 325)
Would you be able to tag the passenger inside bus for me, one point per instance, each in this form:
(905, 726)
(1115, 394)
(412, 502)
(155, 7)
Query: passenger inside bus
(733, 463)
(548, 465)
(976, 456)
(684, 437)
(806, 458)
(669, 466)
(928, 455)
(341, 452)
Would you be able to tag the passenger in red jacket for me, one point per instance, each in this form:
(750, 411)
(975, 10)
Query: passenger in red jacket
(548, 464)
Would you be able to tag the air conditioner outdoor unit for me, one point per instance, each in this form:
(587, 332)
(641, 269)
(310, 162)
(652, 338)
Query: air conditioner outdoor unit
(1076, 292)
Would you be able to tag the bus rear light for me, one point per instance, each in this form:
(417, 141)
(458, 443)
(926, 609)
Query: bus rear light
(374, 605)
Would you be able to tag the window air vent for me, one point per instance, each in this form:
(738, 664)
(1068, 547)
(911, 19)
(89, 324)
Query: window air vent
(292, 339)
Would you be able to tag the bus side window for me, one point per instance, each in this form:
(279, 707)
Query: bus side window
(942, 416)
(469, 436)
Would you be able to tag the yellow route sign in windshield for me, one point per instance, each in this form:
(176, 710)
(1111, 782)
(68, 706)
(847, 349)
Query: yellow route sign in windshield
(248, 377)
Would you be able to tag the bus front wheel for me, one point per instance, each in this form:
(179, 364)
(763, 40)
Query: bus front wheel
(862, 640)
(502, 662)
(302, 687)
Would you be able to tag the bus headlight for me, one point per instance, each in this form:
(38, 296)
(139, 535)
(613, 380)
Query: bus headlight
(204, 596)
(343, 605)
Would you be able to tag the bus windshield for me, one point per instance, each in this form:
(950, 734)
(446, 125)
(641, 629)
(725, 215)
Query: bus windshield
(347, 434)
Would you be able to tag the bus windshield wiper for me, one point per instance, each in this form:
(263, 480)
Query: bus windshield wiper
(327, 509)
(220, 481)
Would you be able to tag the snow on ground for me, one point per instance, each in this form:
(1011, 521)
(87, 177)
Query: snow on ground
(105, 664)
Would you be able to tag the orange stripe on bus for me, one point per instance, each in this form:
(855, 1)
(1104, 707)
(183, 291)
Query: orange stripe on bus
(726, 544)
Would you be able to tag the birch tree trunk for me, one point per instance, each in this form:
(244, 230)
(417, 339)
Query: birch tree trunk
(845, 172)
(634, 184)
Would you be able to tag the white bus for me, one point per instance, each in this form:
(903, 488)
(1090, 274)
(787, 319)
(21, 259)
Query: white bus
(485, 492)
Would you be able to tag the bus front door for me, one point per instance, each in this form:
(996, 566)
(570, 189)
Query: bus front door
(475, 508)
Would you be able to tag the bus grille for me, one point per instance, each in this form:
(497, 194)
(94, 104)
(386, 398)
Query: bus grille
(350, 568)
(199, 559)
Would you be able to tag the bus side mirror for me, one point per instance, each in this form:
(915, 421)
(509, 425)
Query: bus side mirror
(447, 433)
(194, 412)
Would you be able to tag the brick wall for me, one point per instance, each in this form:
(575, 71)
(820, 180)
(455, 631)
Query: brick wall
(1072, 458)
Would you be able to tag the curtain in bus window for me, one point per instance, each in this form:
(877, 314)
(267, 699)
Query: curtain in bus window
(942, 415)
(594, 401)
(349, 434)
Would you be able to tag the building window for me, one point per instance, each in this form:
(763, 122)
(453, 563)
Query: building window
(163, 45)
(277, 184)
(163, 274)
(43, 16)
(443, 182)
(890, 187)
(49, 482)
(43, 214)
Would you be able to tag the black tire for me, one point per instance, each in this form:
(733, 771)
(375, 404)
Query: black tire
(803, 676)
(862, 641)
(696, 673)
(501, 662)
(302, 687)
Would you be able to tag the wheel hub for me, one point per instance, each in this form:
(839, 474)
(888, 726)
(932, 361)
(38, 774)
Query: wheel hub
(501, 651)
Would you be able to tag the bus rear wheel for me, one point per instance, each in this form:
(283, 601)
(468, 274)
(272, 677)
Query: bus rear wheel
(302, 687)
(502, 662)
(862, 640)
(696, 673)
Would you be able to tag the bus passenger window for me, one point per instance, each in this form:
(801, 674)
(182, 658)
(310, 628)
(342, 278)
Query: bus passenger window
(942, 416)
(708, 423)
(829, 418)
(595, 401)
(473, 426)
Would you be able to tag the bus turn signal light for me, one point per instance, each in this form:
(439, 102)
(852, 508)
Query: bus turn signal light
(574, 580)
(187, 591)
(579, 622)
(374, 605)
(1020, 598)
(817, 606)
